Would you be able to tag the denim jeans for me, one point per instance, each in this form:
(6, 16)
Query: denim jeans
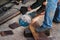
(52, 12)
(57, 13)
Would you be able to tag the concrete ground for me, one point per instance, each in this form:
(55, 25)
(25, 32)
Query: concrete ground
(18, 32)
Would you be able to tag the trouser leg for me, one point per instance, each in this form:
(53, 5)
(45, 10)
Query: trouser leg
(57, 14)
(49, 13)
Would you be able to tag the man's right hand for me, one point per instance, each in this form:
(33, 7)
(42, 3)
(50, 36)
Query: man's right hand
(29, 8)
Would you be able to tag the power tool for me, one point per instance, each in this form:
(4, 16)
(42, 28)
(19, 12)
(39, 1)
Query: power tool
(25, 20)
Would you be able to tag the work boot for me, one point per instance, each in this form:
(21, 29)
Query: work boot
(47, 32)
(42, 29)
(55, 21)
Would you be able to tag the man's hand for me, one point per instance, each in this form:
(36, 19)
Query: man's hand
(59, 1)
(45, 3)
(29, 9)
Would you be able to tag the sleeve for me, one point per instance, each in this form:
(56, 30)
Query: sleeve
(37, 4)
